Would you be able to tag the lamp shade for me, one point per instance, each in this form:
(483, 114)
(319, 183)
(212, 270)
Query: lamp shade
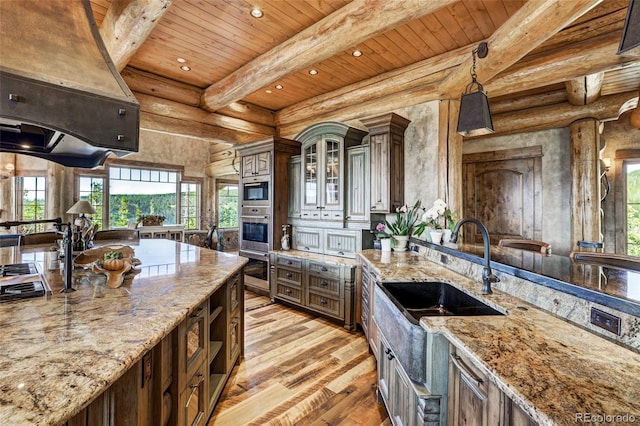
(81, 207)
(630, 42)
(474, 118)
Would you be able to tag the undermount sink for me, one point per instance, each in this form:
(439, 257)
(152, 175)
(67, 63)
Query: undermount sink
(424, 299)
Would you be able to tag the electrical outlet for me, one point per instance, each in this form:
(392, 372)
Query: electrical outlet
(444, 259)
(605, 320)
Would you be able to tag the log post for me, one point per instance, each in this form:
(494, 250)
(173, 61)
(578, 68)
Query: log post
(450, 156)
(7, 172)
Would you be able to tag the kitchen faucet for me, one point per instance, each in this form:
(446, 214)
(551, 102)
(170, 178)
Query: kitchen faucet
(68, 251)
(488, 276)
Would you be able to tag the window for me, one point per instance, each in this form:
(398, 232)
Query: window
(190, 205)
(633, 208)
(134, 192)
(91, 188)
(227, 205)
(31, 206)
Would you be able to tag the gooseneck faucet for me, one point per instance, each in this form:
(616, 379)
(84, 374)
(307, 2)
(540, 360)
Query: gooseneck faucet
(488, 276)
(68, 251)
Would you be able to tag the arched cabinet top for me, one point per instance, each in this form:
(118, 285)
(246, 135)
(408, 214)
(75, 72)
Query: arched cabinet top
(351, 135)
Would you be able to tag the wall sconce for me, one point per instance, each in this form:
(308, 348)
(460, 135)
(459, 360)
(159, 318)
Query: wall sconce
(630, 42)
(474, 118)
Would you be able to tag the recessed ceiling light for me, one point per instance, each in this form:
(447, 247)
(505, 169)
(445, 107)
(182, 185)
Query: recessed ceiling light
(257, 13)
(269, 91)
(357, 53)
(279, 86)
(185, 68)
(181, 60)
(313, 72)
(25, 146)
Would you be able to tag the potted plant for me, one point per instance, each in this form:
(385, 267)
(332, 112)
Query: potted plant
(432, 218)
(405, 225)
(151, 220)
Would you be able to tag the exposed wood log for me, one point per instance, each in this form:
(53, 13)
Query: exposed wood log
(348, 26)
(191, 129)
(583, 58)
(525, 102)
(249, 112)
(634, 118)
(161, 87)
(158, 106)
(561, 115)
(450, 156)
(222, 152)
(221, 168)
(584, 90)
(127, 24)
(535, 22)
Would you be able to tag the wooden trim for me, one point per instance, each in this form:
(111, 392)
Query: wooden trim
(627, 154)
(144, 164)
(505, 154)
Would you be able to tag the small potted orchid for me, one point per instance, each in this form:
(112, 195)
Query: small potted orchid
(381, 234)
(405, 224)
(433, 217)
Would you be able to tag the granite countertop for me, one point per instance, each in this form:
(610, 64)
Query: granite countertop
(552, 369)
(333, 260)
(58, 353)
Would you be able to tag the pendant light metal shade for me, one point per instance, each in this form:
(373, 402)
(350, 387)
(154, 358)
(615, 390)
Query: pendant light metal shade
(474, 118)
(630, 42)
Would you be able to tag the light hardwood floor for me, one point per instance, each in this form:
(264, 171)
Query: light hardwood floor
(299, 369)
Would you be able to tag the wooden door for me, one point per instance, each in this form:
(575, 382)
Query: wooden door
(502, 189)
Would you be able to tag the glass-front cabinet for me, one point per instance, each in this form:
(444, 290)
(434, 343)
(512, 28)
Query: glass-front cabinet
(322, 185)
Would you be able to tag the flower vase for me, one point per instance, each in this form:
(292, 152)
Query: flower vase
(401, 242)
(377, 244)
(446, 236)
(385, 244)
(436, 236)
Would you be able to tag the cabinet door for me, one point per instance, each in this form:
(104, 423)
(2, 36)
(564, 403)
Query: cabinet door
(332, 193)
(248, 165)
(262, 163)
(341, 242)
(403, 404)
(386, 370)
(192, 403)
(295, 201)
(310, 177)
(358, 193)
(307, 239)
(379, 151)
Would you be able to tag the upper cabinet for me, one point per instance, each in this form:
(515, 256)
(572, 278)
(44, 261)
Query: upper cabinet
(256, 164)
(323, 174)
(386, 142)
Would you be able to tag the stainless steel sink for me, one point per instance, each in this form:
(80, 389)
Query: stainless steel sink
(423, 299)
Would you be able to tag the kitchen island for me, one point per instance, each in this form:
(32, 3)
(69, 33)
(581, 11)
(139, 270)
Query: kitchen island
(58, 353)
(555, 372)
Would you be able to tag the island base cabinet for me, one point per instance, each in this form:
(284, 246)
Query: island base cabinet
(476, 401)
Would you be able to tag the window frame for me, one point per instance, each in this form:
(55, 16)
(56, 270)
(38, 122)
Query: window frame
(219, 184)
(105, 189)
(18, 185)
(199, 184)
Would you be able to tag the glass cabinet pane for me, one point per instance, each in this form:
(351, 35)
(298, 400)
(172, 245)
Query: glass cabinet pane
(311, 175)
(332, 181)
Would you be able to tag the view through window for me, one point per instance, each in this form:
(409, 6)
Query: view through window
(189, 205)
(91, 189)
(32, 204)
(136, 192)
(227, 205)
(633, 208)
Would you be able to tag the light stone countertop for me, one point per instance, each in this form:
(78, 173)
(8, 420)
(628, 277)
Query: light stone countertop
(552, 369)
(60, 352)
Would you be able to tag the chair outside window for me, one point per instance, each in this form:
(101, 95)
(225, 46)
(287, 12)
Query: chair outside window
(10, 240)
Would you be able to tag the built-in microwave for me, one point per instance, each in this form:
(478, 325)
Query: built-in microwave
(255, 191)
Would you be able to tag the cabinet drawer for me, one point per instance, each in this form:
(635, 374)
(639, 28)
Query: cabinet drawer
(341, 242)
(326, 304)
(289, 276)
(255, 211)
(332, 215)
(235, 288)
(324, 269)
(289, 263)
(329, 286)
(287, 292)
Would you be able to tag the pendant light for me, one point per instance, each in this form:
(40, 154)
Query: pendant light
(630, 42)
(474, 118)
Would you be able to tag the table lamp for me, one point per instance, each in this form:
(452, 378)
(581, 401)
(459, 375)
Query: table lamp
(83, 223)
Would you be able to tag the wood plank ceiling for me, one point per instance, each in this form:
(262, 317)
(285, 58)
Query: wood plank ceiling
(253, 77)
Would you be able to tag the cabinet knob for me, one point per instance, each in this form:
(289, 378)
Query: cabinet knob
(288, 291)
(387, 351)
(307, 248)
(288, 275)
(289, 262)
(390, 357)
(324, 283)
(323, 301)
(324, 269)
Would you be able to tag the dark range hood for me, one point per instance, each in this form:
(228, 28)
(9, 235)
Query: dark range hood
(61, 97)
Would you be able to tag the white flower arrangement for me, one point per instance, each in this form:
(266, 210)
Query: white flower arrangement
(439, 210)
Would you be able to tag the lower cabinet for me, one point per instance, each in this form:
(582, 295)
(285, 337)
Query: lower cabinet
(476, 401)
(331, 241)
(319, 285)
(367, 283)
(408, 403)
(179, 381)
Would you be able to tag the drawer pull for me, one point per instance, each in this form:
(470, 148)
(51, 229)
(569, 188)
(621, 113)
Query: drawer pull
(288, 274)
(289, 262)
(324, 269)
(287, 290)
(323, 301)
(341, 253)
(194, 388)
(307, 248)
(457, 361)
(324, 283)
(387, 351)
(390, 357)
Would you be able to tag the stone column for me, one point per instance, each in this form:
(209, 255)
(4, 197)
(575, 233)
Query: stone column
(7, 172)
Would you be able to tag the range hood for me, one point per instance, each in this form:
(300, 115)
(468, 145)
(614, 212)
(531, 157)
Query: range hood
(61, 97)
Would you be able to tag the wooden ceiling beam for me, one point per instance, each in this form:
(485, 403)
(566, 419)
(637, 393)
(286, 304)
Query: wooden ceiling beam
(584, 90)
(356, 22)
(534, 23)
(126, 26)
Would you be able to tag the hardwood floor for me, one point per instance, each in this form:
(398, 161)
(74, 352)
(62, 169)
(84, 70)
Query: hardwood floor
(299, 369)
